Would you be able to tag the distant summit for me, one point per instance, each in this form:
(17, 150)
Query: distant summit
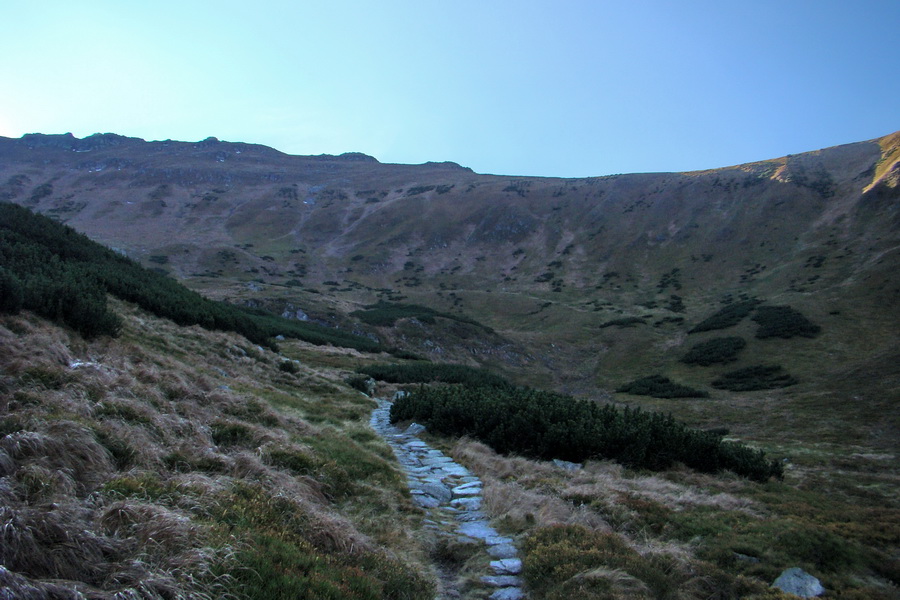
(67, 141)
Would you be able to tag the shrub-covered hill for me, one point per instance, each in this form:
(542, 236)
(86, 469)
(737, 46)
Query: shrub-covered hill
(175, 462)
(63, 275)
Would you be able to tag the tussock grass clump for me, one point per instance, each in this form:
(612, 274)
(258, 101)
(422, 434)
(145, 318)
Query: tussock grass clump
(717, 350)
(231, 433)
(757, 377)
(564, 560)
(659, 386)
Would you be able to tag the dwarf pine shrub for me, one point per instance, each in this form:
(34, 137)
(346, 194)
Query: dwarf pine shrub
(386, 314)
(757, 377)
(62, 275)
(728, 316)
(783, 322)
(659, 386)
(429, 372)
(717, 350)
(546, 425)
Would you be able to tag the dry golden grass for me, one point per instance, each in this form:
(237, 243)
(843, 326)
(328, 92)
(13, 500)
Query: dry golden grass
(701, 536)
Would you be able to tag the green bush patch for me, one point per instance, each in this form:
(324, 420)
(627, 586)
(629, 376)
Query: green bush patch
(624, 322)
(758, 377)
(728, 316)
(783, 322)
(64, 276)
(386, 314)
(659, 386)
(718, 350)
(546, 425)
(428, 372)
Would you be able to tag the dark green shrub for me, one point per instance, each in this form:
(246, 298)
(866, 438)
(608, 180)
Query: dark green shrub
(546, 425)
(624, 322)
(429, 372)
(783, 322)
(660, 387)
(718, 350)
(758, 377)
(359, 382)
(386, 314)
(288, 366)
(11, 294)
(728, 316)
(65, 277)
(405, 354)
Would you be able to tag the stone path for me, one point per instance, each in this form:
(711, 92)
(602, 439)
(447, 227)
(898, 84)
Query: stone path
(452, 496)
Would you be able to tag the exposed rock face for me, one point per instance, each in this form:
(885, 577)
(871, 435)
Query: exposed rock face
(800, 583)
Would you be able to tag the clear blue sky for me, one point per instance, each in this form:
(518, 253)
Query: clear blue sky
(559, 87)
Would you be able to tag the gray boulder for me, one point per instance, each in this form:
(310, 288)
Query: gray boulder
(564, 464)
(415, 429)
(798, 582)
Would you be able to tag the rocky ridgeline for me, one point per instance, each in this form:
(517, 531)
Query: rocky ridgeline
(452, 496)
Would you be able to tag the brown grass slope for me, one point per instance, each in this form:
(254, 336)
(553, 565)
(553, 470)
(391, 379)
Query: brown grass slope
(179, 463)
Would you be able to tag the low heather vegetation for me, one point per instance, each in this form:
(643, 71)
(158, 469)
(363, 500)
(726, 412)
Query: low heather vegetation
(547, 425)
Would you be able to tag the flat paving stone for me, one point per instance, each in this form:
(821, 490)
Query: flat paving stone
(509, 593)
(466, 503)
(501, 580)
(478, 529)
(426, 501)
(507, 566)
(502, 551)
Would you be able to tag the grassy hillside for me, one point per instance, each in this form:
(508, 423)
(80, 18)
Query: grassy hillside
(179, 462)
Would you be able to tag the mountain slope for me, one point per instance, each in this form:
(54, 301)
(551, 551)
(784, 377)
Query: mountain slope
(554, 267)
(770, 287)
